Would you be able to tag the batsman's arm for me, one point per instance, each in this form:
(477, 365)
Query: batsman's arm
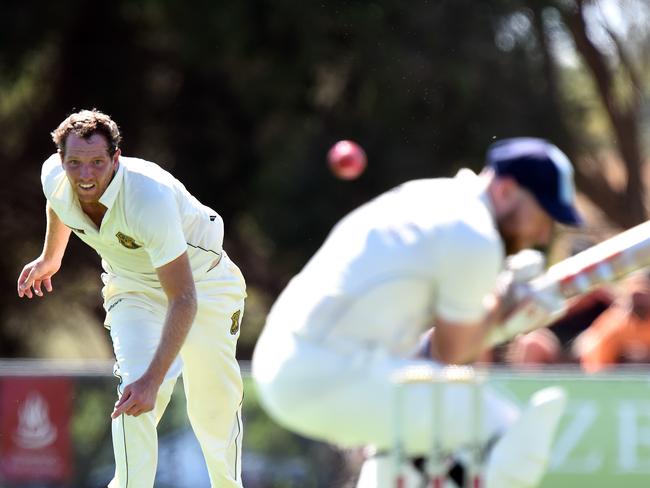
(178, 283)
(40, 271)
(605, 262)
(462, 343)
(456, 343)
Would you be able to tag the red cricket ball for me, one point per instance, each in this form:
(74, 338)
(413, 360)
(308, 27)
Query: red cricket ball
(347, 160)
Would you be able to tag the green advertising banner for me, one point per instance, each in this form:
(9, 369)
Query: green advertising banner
(604, 437)
(603, 440)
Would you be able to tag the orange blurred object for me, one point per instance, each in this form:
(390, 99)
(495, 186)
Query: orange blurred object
(621, 333)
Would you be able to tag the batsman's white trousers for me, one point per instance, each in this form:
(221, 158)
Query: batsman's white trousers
(342, 394)
(211, 378)
(346, 397)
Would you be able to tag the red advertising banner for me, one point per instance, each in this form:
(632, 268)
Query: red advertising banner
(34, 421)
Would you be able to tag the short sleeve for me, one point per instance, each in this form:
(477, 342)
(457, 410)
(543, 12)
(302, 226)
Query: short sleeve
(160, 228)
(51, 174)
(469, 267)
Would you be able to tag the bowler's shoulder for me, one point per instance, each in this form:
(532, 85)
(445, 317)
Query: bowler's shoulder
(148, 191)
(52, 174)
(52, 166)
(144, 177)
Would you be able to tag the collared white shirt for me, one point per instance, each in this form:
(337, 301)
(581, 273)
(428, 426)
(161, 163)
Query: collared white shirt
(428, 248)
(151, 219)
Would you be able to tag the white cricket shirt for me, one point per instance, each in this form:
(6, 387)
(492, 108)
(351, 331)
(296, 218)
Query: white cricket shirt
(151, 220)
(428, 248)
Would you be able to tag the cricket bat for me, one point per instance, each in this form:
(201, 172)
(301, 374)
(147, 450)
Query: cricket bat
(608, 261)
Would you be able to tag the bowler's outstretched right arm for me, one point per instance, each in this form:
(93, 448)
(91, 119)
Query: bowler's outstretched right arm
(40, 271)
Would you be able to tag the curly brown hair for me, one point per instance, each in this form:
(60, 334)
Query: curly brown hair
(85, 124)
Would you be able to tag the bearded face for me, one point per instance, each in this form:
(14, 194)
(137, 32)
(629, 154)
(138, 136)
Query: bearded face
(524, 224)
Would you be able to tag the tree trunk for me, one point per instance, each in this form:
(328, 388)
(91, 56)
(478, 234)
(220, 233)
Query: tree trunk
(626, 207)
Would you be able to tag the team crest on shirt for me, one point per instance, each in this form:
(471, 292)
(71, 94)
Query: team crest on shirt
(234, 327)
(126, 241)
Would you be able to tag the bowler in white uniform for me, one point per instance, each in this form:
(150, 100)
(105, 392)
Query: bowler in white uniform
(425, 253)
(174, 300)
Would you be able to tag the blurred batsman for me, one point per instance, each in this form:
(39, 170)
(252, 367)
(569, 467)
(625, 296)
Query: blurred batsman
(426, 253)
(173, 299)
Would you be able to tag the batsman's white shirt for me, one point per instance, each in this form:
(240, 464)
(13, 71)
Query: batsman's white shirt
(151, 219)
(355, 313)
(352, 319)
(427, 248)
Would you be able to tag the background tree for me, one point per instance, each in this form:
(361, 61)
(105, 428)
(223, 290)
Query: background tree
(615, 62)
(241, 101)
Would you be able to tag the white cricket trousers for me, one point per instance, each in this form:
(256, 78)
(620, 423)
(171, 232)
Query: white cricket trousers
(343, 394)
(346, 397)
(211, 378)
